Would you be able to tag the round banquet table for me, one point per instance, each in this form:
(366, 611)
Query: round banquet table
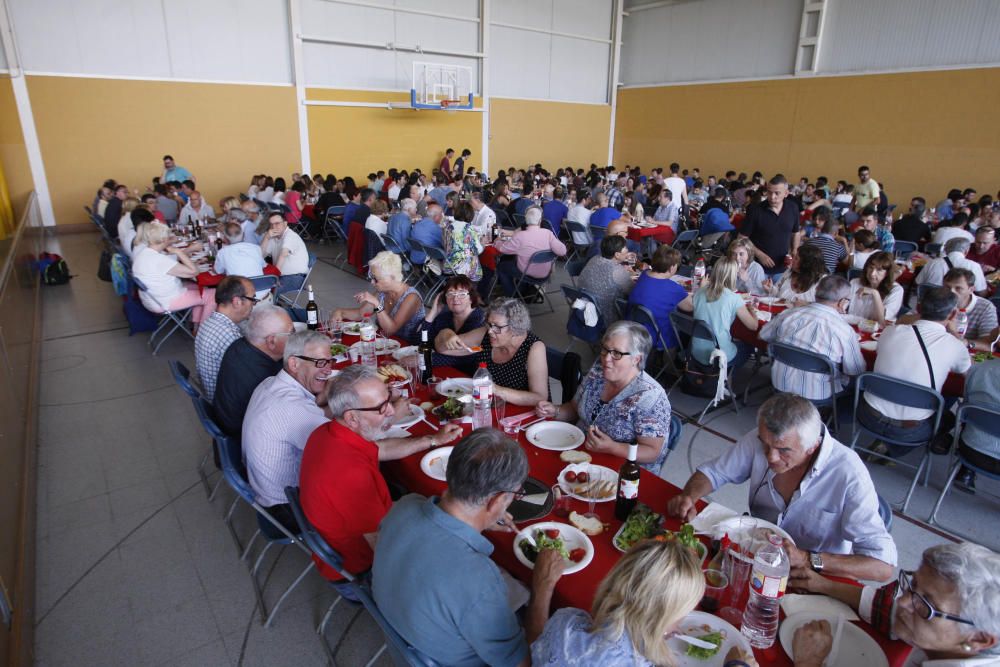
(578, 589)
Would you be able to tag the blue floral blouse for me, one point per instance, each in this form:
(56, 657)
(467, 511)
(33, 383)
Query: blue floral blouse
(567, 641)
(640, 410)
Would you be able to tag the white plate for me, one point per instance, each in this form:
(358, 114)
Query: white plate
(869, 345)
(435, 463)
(853, 320)
(455, 387)
(351, 328)
(407, 351)
(596, 473)
(731, 526)
(857, 648)
(691, 625)
(572, 537)
(398, 383)
(382, 345)
(556, 436)
(406, 420)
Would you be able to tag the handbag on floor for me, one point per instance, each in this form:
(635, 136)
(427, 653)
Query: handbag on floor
(104, 266)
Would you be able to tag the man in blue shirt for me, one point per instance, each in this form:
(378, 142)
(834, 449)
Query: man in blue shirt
(173, 172)
(441, 190)
(433, 578)
(605, 213)
(401, 223)
(428, 232)
(615, 197)
(553, 209)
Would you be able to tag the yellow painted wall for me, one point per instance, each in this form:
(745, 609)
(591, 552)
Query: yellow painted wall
(93, 129)
(13, 155)
(921, 133)
(355, 141)
(553, 133)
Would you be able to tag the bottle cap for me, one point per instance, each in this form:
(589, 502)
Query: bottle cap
(482, 364)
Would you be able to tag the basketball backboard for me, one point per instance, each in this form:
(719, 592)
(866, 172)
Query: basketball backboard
(441, 86)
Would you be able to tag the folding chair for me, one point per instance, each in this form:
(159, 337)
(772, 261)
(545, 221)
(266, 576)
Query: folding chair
(292, 303)
(904, 249)
(504, 221)
(854, 273)
(933, 249)
(373, 244)
(401, 652)
(811, 362)
(985, 418)
(520, 222)
(676, 426)
(436, 281)
(698, 329)
(566, 368)
(903, 393)
(392, 245)
(322, 550)
(580, 239)
(264, 283)
(839, 208)
(182, 376)
(273, 532)
(542, 257)
(576, 325)
(644, 316)
(177, 318)
(685, 241)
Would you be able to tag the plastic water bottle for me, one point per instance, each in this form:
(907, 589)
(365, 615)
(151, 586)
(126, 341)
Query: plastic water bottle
(767, 584)
(368, 345)
(482, 398)
(962, 322)
(699, 273)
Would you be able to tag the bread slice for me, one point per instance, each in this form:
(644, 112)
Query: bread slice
(589, 525)
(575, 456)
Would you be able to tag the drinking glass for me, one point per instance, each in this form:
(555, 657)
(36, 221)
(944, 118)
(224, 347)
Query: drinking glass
(716, 583)
(561, 503)
(591, 471)
(739, 562)
(499, 409)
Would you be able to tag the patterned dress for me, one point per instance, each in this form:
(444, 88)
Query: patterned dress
(640, 410)
(568, 642)
(512, 374)
(462, 248)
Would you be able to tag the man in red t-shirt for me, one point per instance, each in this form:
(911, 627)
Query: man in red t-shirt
(445, 166)
(342, 491)
(985, 250)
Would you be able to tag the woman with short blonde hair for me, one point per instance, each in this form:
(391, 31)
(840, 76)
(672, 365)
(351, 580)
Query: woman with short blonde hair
(718, 305)
(643, 598)
(160, 267)
(398, 308)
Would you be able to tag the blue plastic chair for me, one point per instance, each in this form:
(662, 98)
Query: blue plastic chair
(292, 303)
(435, 281)
(902, 393)
(264, 282)
(177, 318)
(540, 258)
(642, 315)
(576, 326)
(985, 418)
(233, 471)
(401, 652)
(322, 550)
(854, 273)
(933, 249)
(182, 376)
(392, 245)
(904, 249)
(693, 328)
(580, 238)
(811, 362)
(557, 361)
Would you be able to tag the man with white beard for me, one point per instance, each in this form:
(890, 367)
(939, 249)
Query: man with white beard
(342, 491)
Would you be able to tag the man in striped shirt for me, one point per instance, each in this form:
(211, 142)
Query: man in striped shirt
(282, 414)
(817, 327)
(829, 241)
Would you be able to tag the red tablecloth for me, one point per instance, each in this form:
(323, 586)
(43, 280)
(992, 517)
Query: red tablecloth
(578, 589)
(661, 233)
(210, 278)
(954, 385)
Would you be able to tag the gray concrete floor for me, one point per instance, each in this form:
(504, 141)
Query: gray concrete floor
(135, 566)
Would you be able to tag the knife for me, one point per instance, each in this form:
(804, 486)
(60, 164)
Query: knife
(694, 641)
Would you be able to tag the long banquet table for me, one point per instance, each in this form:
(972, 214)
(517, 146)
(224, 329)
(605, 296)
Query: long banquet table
(578, 589)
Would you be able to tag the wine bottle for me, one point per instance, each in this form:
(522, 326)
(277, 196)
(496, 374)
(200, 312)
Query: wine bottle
(312, 311)
(426, 363)
(628, 484)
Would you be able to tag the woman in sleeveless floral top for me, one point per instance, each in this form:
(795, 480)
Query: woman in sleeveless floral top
(618, 403)
(514, 356)
(398, 307)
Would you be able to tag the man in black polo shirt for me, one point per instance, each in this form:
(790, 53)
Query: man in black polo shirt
(773, 227)
(247, 362)
(911, 226)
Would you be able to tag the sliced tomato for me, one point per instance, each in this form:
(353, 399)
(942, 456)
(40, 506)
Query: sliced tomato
(576, 555)
(552, 533)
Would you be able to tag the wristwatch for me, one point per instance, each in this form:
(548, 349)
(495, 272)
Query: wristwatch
(378, 309)
(816, 561)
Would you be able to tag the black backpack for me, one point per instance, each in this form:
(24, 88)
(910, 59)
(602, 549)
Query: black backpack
(54, 270)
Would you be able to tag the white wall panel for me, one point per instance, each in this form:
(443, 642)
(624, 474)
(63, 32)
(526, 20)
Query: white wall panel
(231, 40)
(710, 39)
(535, 13)
(336, 21)
(591, 18)
(443, 8)
(861, 35)
(571, 58)
(336, 66)
(519, 63)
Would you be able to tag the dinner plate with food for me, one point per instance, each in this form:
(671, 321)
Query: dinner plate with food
(586, 481)
(555, 436)
(394, 375)
(351, 328)
(576, 548)
(707, 628)
(760, 530)
(403, 352)
(409, 417)
(337, 349)
(453, 408)
(382, 345)
(455, 387)
(435, 463)
(856, 647)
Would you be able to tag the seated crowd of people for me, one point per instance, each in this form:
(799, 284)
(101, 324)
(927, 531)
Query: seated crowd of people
(272, 388)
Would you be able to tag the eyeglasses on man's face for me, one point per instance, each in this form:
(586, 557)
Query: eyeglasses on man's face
(252, 299)
(921, 606)
(318, 363)
(380, 408)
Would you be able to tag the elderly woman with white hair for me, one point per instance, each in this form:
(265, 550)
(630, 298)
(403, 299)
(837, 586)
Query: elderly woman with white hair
(398, 307)
(522, 245)
(514, 356)
(948, 610)
(618, 403)
(161, 267)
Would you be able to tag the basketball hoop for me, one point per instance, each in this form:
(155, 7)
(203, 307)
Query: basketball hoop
(445, 104)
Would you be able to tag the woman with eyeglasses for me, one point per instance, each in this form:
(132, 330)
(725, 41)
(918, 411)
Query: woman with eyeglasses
(514, 355)
(451, 315)
(618, 403)
(398, 308)
(948, 610)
